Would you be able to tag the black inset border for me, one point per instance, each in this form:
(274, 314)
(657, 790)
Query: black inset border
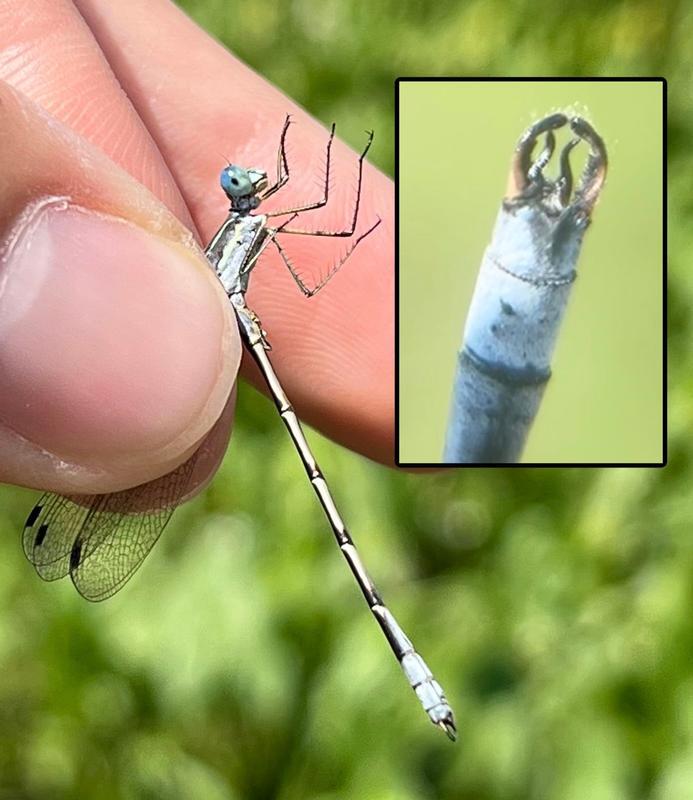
(518, 79)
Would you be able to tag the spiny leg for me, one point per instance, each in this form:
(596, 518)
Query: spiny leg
(310, 291)
(350, 230)
(323, 200)
(282, 163)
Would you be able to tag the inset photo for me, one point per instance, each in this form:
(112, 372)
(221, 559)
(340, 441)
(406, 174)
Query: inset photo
(531, 274)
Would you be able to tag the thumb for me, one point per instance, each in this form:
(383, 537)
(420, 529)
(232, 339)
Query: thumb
(118, 349)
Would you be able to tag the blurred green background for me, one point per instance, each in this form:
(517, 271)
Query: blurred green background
(604, 402)
(555, 606)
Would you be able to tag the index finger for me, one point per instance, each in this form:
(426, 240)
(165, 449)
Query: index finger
(334, 352)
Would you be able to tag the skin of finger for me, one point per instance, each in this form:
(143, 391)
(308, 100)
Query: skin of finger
(48, 53)
(41, 158)
(334, 352)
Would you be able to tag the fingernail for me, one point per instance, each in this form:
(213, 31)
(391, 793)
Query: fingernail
(115, 344)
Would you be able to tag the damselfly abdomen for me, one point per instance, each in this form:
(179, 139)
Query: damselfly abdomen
(520, 296)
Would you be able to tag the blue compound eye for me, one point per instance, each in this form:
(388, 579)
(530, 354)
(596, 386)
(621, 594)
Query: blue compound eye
(235, 181)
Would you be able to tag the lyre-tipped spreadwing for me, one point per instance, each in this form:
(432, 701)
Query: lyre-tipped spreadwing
(101, 540)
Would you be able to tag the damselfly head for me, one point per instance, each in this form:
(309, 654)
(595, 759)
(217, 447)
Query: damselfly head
(240, 183)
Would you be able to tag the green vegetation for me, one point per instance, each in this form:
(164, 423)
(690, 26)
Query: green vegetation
(554, 605)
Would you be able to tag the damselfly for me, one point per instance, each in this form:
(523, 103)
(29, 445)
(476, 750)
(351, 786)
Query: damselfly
(101, 540)
(521, 294)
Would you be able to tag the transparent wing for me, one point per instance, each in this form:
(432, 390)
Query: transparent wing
(101, 540)
(52, 528)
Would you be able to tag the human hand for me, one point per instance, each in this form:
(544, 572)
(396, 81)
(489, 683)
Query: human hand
(118, 348)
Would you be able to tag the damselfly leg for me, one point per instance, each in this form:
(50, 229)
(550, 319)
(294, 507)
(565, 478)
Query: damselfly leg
(282, 163)
(285, 176)
(347, 232)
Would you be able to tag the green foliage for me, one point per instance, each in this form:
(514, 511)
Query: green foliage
(554, 605)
